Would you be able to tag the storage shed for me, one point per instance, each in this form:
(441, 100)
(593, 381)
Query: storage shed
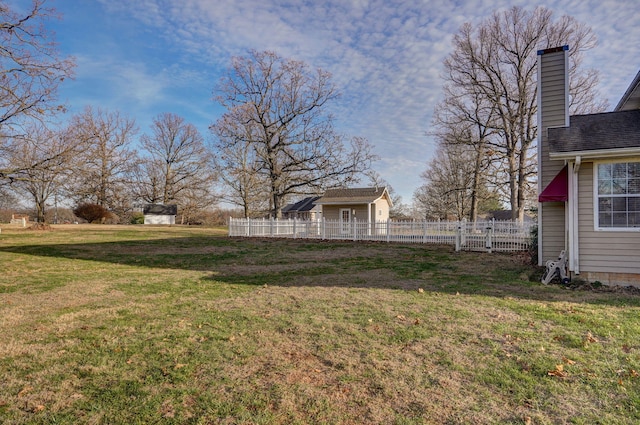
(160, 214)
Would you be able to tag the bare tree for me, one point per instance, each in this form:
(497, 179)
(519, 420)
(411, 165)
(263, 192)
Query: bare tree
(147, 181)
(30, 72)
(280, 108)
(45, 158)
(178, 166)
(398, 210)
(467, 119)
(448, 183)
(239, 167)
(102, 169)
(497, 61)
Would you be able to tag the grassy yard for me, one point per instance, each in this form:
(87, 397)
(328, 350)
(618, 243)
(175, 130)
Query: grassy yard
(139, 325)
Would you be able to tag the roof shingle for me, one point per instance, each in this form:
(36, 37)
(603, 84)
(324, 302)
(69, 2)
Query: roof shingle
(610, 130)
(353, 195)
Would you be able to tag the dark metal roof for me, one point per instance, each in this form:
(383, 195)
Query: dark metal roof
(159, 209)
(304, 205)
(610, 130)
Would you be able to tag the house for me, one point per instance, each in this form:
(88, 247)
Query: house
(588, 179)
(305, 209)
(160, 214)
(369, 204)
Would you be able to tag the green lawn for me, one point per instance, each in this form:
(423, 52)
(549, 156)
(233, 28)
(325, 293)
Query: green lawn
(153, 325)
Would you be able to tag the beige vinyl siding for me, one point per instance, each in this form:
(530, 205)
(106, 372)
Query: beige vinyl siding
(552, 114)
(603, 250)
(552, 86)
(332, 212)
(361, 212)
(380, 205)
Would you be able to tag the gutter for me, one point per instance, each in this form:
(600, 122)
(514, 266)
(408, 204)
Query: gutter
(596, 154)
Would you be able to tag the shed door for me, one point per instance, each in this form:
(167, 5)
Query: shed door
(345, 220)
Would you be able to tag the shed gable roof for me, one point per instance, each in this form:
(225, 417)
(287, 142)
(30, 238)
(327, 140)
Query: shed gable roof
(610, 130)
(363, 195)
(160, 209)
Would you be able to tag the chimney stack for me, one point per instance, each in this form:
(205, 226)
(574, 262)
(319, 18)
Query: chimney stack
(553, 111)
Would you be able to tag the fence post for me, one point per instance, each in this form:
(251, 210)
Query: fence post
(488, 241)
(355, 229)
(323, 229)
(458, 237)
(425, 231)
(388, 230)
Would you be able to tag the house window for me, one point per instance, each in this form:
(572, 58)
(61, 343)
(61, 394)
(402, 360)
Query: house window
(618, 195)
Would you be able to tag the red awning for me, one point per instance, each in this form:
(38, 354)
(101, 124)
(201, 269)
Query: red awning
(558, 189)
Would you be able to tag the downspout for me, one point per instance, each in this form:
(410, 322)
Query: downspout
(568, 219)
(539, 153)
(575, 248)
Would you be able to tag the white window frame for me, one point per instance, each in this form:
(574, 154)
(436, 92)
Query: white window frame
(596, 197)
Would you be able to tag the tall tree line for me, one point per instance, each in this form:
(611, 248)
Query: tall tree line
(276, 140)
(490, 96)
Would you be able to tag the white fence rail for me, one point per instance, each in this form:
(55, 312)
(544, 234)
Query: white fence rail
(488, 236)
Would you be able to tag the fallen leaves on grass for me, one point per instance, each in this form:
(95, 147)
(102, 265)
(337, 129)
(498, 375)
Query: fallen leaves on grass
(590, 338)
(558, 372)
(25, 391)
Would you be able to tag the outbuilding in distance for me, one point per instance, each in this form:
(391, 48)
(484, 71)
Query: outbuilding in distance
(160, 214)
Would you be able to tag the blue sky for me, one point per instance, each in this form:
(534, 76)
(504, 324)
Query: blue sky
(146, 57)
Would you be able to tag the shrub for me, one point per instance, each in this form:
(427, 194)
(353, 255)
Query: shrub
(137, 218)
(92, 212)
(533, 247)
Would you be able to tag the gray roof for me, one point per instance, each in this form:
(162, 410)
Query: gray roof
(631, 98)
(610, 130)
(159, 209)
(352, 196)
(306, 204)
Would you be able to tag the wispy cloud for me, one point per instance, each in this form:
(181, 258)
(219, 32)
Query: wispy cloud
(386, 57)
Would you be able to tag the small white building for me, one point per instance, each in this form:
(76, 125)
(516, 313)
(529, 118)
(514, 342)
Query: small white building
(160, 214)
(369, 204)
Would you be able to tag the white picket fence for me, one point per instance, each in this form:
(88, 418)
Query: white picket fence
(506, 236)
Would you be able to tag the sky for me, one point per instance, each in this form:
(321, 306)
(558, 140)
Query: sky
(147, 57)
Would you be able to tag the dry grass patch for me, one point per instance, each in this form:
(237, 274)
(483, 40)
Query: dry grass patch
(119, 325)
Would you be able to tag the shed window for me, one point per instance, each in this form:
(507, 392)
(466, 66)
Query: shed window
(618, 195)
